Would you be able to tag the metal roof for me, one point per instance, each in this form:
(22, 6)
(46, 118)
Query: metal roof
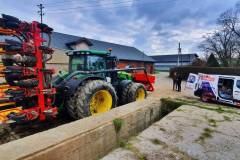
(60, 41)
(174, 58)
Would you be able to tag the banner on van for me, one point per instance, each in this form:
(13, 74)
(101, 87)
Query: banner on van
(206, 77)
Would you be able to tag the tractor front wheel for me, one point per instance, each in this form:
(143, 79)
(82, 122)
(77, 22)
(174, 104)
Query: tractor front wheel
(91, 98)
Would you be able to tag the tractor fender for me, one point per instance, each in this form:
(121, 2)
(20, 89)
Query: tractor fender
(123, 83)
(72, 84)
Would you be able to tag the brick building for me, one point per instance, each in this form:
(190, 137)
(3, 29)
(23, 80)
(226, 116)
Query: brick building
(127, 56)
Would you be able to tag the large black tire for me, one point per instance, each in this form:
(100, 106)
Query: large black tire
(78, 104)
(125, 94)
(134, 90)
(27, 83)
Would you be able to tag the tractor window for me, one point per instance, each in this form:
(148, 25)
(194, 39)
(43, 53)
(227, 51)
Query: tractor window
(78, 63)
(95, 63)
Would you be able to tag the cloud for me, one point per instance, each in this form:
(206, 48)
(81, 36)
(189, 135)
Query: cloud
(153, 26)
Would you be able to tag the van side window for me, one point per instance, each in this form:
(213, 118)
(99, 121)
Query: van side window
(191, 79)
(238, 84)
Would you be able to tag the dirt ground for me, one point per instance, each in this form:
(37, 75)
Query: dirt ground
(163, 88)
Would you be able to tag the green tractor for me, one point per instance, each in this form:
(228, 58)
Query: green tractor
(94, 85)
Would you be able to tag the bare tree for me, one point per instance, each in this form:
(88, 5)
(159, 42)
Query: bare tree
(222, 45)
(225, 43)
(230, 20)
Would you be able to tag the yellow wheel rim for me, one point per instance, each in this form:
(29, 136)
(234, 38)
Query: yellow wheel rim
(140, 94)
(100, 102)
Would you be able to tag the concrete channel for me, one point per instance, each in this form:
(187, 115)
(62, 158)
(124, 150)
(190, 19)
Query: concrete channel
(90, 138)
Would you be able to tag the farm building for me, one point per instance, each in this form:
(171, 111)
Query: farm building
(128, 56)
(165, 62)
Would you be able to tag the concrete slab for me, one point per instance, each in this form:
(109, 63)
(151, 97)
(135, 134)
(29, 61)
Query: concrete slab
(187, 133)
(90, 138)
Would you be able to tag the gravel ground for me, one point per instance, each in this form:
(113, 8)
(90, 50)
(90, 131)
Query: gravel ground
(163, 88)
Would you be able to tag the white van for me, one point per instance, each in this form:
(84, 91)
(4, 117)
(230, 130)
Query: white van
(221, 88)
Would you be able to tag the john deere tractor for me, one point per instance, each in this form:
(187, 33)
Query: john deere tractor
(93, 84)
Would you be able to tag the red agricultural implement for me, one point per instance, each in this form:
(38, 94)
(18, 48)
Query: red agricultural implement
(146, 79)
(27, 94)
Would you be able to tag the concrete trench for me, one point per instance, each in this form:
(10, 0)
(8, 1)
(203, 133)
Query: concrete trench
(90, 138)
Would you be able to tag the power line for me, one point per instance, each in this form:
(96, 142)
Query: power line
(63, 2)
(99, 9)
(96, 5)
(58, 2)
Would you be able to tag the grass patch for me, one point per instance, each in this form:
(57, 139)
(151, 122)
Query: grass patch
(162, 129)
(122, 143)
(155, 141)
(212, 122)
(207, 133)
(135, 150)
(175, 103)
(179, 110)
(226, 118)
(219, 110)
(118, 123)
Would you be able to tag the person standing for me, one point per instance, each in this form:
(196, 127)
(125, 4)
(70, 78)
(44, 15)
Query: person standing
(179, 82)
(174, 81)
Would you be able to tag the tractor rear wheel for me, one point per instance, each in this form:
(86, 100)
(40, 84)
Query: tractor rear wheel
(124, 94)
(134, 92)
(91, 98)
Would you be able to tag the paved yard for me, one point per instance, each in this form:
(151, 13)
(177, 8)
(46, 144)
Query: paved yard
(163, 87)
(187, 133)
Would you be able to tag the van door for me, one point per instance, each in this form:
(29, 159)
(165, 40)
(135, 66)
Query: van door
(192, 82)
(236, 90)
(225, 89)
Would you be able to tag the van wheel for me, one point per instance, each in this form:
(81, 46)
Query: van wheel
(204, 98)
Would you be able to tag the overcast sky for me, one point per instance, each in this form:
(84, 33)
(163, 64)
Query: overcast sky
(153, 26)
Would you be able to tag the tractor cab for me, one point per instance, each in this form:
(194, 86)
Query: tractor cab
(90, 60)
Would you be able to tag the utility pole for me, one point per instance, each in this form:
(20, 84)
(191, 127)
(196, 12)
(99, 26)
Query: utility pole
(40, 12)
(179, 53)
